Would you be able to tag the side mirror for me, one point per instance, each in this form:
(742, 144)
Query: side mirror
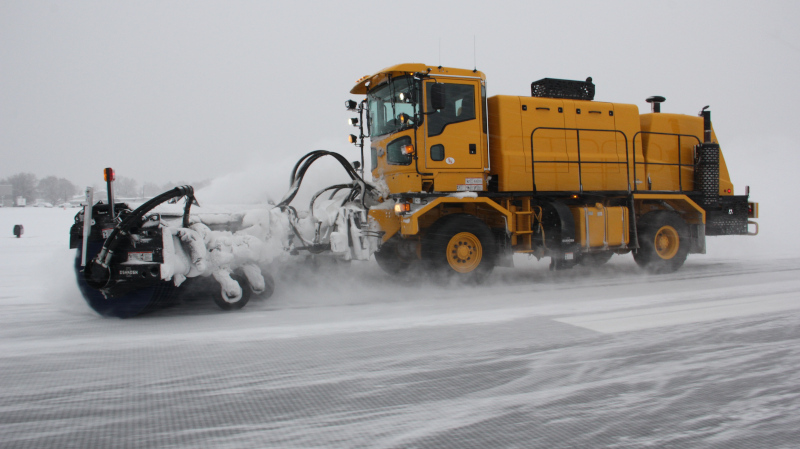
(437, 97)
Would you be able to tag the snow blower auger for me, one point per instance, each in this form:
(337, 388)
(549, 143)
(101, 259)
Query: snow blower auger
(120, 254)
(130, 262)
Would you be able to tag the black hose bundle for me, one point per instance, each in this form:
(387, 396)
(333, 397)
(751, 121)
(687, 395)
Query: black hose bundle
(358, 187)
(302, 166)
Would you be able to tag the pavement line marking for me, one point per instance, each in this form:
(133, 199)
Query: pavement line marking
(695, 312)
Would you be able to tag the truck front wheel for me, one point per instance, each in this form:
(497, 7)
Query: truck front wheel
(663, 242)
(461, 245)
(394, 256)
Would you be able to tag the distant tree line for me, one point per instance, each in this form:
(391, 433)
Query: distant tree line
(51, 189)
(60, 190)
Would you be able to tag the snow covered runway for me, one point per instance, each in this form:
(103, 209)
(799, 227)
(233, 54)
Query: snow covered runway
(705, 357)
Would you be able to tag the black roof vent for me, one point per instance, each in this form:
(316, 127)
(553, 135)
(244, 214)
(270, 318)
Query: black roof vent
(556, 88)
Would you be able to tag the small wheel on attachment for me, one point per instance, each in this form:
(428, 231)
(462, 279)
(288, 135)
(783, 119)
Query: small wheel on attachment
(226, 303)
(269, 287)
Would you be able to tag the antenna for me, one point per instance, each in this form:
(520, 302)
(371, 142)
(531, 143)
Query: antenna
(440, 52)
(474, 55)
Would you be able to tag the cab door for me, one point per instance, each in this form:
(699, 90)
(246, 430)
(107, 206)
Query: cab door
(454, 138)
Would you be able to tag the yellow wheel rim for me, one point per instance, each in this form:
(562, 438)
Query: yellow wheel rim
(464, 252)
(667, 242)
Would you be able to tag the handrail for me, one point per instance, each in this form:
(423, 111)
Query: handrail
(579, 161)
(627, 162)
(679, 164)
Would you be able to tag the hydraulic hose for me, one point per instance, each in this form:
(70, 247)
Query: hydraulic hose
(302, 166)
(98, 274)
(358, 185)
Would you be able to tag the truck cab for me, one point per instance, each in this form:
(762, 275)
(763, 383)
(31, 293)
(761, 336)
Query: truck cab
(427, 128)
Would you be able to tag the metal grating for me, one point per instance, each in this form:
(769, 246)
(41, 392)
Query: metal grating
(706, 173)
(730, 219)
(557, 88)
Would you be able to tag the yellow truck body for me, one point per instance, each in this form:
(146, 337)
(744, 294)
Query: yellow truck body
(553, 174)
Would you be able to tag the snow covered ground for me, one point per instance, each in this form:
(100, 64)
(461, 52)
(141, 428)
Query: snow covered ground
(345, 356)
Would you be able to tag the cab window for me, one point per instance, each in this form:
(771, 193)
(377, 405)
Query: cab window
(394, 154)
(387, 102)
(459, 107)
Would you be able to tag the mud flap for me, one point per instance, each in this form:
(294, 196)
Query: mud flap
(565, 247)
(697, 234)
(505, 253)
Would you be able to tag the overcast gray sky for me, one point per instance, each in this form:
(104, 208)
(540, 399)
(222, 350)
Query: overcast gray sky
(189, 90)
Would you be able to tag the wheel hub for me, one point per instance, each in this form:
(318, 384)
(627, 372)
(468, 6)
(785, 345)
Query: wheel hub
(464, 252)
(667, 242)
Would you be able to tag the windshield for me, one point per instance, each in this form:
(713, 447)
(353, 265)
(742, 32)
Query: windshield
(388, 101)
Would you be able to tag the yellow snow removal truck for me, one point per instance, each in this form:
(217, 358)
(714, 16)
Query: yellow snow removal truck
(475, 179)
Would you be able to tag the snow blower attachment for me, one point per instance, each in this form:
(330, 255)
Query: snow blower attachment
(121, 261)
(132, 261)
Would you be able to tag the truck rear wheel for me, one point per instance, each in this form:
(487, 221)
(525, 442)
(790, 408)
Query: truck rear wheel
(663, 242)
(461, 245)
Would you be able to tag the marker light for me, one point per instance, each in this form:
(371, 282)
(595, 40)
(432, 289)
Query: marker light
(404, 118)
(352, 138)
(752, 210)
(400, 208)
(407, 149)
(350, 105)
(353, 121)
(108, 174)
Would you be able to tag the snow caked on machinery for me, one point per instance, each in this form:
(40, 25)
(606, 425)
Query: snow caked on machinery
(462, 182)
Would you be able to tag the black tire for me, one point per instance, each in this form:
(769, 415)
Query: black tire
(246, 293)
(269, 284)
(595, 259)
(462, 246)
(391, 259)
(138, 302)
(663, 242)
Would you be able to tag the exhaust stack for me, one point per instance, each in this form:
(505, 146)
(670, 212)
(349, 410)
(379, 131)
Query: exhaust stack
(655, 101)
(706, 114)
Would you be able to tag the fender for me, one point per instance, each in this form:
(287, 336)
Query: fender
(562, 220)
(409, 222)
